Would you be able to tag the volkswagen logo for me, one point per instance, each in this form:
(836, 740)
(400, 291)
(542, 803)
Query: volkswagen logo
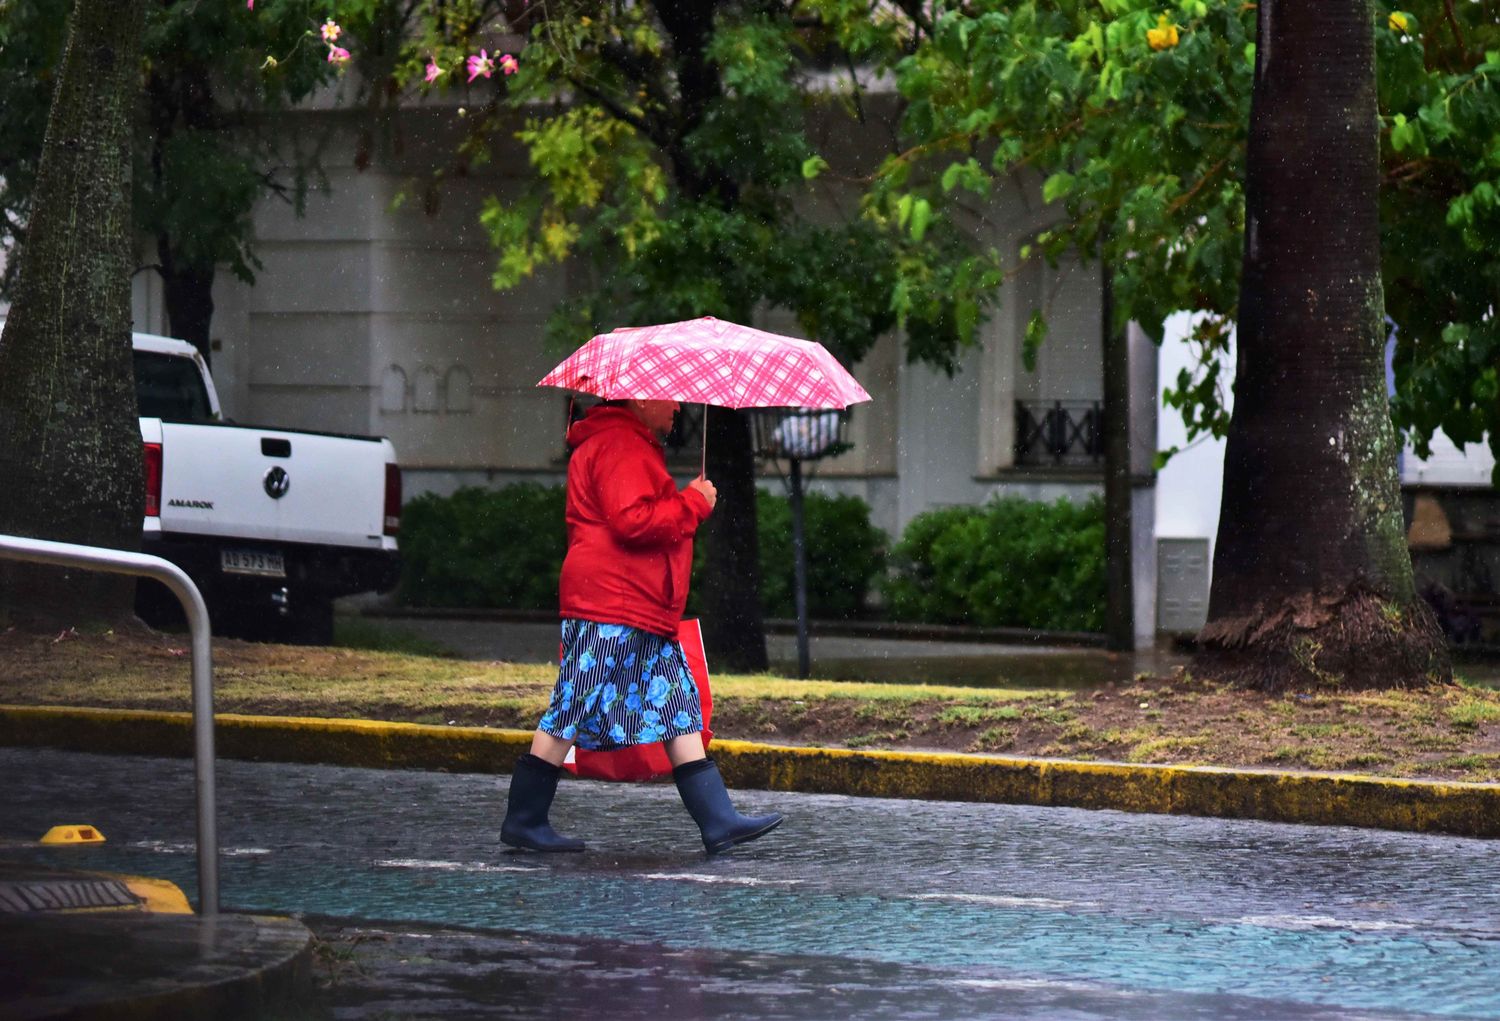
(276, 482)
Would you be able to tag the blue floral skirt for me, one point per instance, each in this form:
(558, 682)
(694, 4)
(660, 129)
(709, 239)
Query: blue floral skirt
(620, 686)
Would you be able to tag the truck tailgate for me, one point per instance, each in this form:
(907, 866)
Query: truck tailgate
(273, 485)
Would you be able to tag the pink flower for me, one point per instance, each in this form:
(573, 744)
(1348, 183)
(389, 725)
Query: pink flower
(250, 4)
(432, 70)
(331, 31)
(338, 55)
(509, 65)
(481, 65)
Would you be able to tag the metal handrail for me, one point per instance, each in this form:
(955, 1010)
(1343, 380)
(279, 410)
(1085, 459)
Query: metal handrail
(113, 561)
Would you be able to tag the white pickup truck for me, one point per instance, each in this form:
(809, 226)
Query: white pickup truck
(271, 524)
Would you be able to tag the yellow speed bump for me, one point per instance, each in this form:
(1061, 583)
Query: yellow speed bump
(158, 896)
(73, 835)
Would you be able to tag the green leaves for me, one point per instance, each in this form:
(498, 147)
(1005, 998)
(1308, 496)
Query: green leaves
(1440, 221)
(1059, 186)
(921, 217)
(1139, 154)
(1407, 134)
(669, 151)
(203, 154)
(1138, 151)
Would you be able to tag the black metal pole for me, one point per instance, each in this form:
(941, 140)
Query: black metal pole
(799, 552)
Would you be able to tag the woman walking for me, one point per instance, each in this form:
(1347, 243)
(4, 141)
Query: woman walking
(623, 680)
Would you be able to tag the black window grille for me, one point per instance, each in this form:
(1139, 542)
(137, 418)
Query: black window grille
(1059, 433)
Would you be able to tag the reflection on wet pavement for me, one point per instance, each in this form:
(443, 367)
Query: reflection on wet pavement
(930, 909)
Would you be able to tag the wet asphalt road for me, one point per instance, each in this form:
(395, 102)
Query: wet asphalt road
(854, 908)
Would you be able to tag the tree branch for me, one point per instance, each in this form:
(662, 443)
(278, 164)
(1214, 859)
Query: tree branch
(859, 103)
(1188, 195)
(913, 10)
(619, 113)
(1458, 32)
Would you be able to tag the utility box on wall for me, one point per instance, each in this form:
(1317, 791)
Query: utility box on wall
(1182, 577)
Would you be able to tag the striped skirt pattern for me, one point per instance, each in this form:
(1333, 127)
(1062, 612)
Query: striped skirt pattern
(620, 686)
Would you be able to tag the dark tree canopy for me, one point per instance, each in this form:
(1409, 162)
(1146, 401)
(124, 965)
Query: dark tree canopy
(204, 143)
(672, 150)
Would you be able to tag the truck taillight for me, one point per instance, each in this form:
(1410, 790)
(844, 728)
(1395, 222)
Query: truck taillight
(153, 480)
(392, 499)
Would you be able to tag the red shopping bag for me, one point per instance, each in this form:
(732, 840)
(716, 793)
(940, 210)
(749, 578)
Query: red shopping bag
(649, 761)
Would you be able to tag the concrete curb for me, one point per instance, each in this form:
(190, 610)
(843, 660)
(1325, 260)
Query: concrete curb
(1466, 809)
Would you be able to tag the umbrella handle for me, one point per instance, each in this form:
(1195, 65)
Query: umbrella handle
(703, 467)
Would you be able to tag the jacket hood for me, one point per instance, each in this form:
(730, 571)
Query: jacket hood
(603, 419)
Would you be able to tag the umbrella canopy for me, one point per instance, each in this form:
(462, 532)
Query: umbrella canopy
(708, 361)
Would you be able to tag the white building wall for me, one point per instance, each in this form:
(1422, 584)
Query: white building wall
(1469, 466)
(1189, 486)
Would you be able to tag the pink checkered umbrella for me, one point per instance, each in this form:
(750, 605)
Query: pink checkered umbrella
(708, 361)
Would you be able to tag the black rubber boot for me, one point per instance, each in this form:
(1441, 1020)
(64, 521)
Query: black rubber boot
(702, 790)
(532, 787)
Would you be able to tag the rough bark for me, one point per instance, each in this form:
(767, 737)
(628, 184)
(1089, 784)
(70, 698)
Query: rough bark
(184, 99)
(72, 452)
(188, 295)
(729, 589)
(1312, 579)
(1120, 601)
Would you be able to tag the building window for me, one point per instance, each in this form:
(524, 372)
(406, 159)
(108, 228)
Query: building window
(1066, 434)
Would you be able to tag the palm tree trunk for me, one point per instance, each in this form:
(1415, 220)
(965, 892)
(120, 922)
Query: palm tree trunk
(71, 456)
(1312, 579)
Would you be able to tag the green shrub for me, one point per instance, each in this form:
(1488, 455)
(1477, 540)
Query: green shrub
(1011, 563)
(504, 548)
(845, 553)
(912, 590)
(484, 547)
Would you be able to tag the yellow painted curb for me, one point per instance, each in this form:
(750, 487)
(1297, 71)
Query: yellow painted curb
(1468, 809)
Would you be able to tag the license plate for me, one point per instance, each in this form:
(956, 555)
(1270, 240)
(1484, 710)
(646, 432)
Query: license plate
(239, 561)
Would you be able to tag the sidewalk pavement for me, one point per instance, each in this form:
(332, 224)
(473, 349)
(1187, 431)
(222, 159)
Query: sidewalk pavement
(86, 945)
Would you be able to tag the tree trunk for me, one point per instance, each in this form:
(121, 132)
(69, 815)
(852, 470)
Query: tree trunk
(72, 452)
(1119, 616)
(188, 294)
(733, 628)
(1312, 580)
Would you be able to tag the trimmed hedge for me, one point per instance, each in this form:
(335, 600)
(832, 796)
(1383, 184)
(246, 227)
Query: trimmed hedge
(503, 548)
(484, 548)
(1011, 563)
(845, 554)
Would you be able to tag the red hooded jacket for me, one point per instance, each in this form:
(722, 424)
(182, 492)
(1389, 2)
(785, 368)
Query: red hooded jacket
(630, 531)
